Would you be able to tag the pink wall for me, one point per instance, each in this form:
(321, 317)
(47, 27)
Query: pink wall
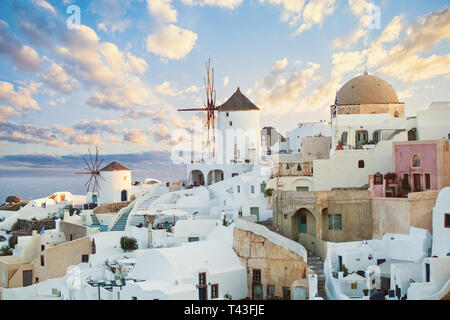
(428, 156)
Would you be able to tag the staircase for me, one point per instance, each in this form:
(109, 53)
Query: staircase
(316, 265)
(94, 219)
(121, 222)
(96, 223)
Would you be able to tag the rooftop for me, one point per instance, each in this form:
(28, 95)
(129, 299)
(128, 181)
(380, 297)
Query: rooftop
(237, 102)
(114, 166)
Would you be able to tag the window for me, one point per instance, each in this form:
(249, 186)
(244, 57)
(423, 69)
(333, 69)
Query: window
(447, 220)
(256, 275)
(334, 222)
(42, 247)
(427, 181)
(234, 174)
(376, 136)
(85, 258)
(228, 114)
(378, 179)
(252, 189)
(263, 187)
(415, 161)
(193, 239)
(231, 123)
(215, 291)
(396, 114)
(36, 280)
(239, 189)
(302, 189)
(270, 291)
(42, 261)
(361, 164)
(354, 286)
(344, 138)
(202, 279)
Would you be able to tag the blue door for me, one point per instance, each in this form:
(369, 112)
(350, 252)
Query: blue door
(124, 195)
(202, 294)
(302, 223)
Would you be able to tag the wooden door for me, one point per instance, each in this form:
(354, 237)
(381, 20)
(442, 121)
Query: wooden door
(27, 278)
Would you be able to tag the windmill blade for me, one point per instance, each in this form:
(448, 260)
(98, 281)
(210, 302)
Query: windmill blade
(88, 167)
(100, 164)
(96, 156)
(90, 156)
(102, 177)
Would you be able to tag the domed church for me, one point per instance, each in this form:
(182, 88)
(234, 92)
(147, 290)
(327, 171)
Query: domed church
(367, 94)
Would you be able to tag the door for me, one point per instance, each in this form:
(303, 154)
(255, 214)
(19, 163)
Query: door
(202, 294)
(427, 272)
(416, 179)
(94, 198)
(124, 195)
(302, 223)
(361, 138)
(255, 211)
(299, 293)
(340, 263)
(27, 278)
(257, 293)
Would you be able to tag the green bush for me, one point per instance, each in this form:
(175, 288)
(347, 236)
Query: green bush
(15, 226)
(268, 192)
(12, 241)
(5, 251)
(128, 243)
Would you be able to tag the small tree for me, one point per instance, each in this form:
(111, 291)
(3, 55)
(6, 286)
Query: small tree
(5, 251)
(128, 243)
(15, 226)
(12, 241)
(268, 192)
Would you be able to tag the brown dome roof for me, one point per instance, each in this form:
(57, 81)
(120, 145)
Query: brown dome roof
(366, 89)
(237, 102)
(114, 166)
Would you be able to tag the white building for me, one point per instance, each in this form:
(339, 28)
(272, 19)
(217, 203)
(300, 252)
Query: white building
(194, 271)
(115, 184)
(238, 143)
(308, 129)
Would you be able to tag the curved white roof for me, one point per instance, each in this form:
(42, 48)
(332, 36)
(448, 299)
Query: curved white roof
(185, 261)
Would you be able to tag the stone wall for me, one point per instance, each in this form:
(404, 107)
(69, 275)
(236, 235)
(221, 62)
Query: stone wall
(354, 206)
(73, 231)
(396, 215)
(280, 263)
(30, 225)
(111, 207)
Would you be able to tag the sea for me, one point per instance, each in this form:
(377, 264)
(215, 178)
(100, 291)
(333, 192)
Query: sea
(40, 186)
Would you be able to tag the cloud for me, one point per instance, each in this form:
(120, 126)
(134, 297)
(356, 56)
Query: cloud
(227, 4)
(292, 9)
(171, 42)
(21, 99)
(111, 14)
(53, 103)
(134, 136)
(155, 115)
(97, 126)
(162, 11)
(86, 139)
(315, 12)
(45, 5)
(361, 9)
(7, 112)
(57, 78)
(280, 90)
(29, 134)
(23, 57)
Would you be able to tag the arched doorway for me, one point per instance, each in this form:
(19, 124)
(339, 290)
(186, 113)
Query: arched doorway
(124, 195)
(196, 178)
(215, 176)
(303, 222)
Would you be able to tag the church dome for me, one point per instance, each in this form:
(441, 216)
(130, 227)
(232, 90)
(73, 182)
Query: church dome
(366, 89)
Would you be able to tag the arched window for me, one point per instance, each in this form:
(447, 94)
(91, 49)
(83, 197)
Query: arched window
(415, 161)
(396, 114)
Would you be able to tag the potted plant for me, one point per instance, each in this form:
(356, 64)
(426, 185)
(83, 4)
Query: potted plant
(268, 192)
(366, 292)
(340, 146)
(228, 296)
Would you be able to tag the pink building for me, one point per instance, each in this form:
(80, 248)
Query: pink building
(418, 166)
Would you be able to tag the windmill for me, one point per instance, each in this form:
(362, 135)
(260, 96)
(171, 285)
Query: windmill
(92, 168)
(209, 107)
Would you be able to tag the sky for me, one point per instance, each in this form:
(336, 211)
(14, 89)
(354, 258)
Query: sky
(115, 74)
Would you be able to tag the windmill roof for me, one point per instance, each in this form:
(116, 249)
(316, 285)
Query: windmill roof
(237, 102)
(114, 166)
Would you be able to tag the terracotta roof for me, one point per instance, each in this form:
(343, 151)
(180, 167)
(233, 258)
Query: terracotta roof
(237, 102)
(114, 166)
